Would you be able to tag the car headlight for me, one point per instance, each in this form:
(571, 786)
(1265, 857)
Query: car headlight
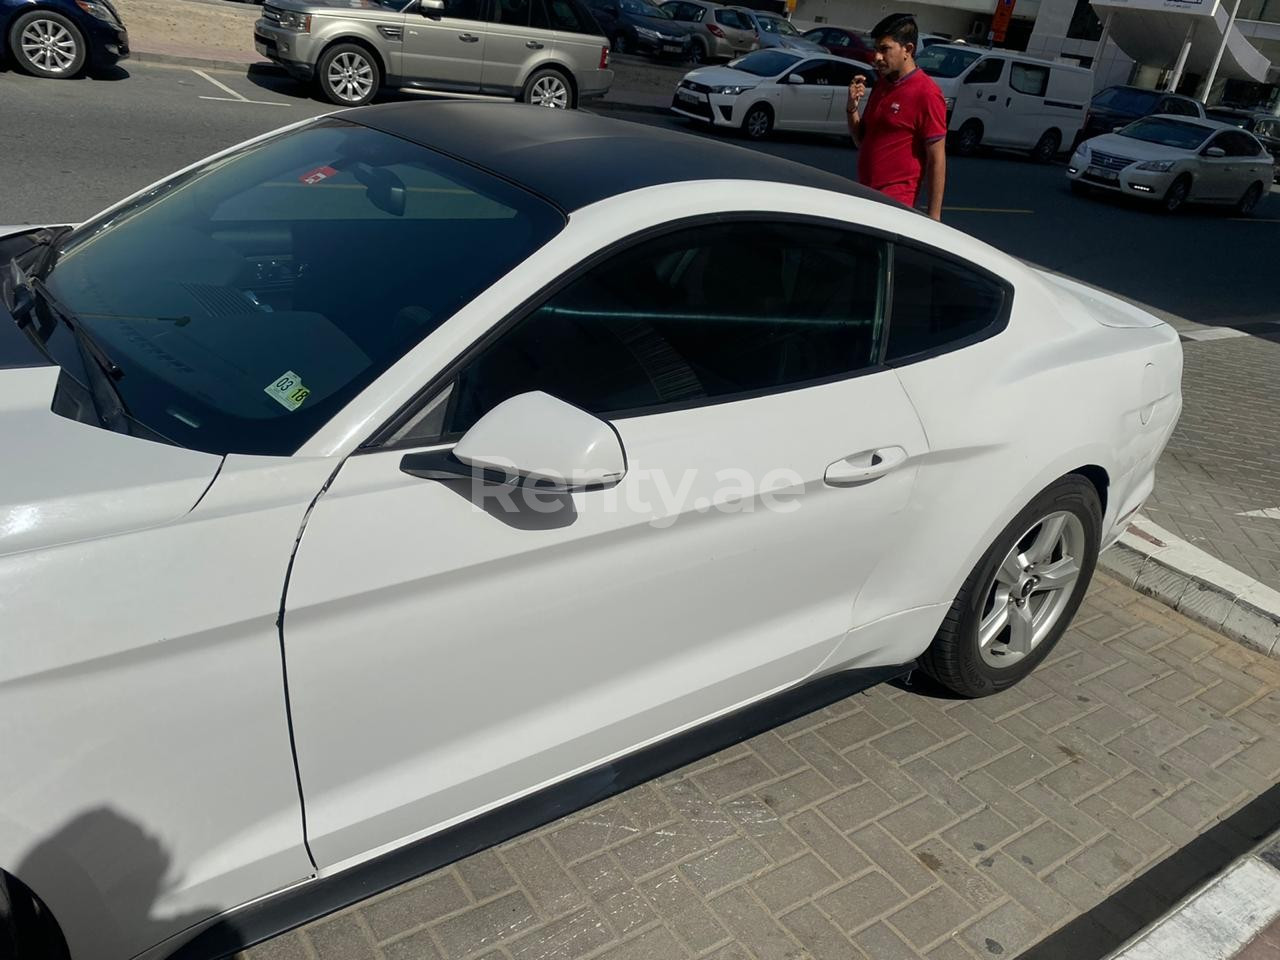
(733, 90)
(1157, 166)
(99, 10)
(1082, 152)
(650, 34)
(292, 20)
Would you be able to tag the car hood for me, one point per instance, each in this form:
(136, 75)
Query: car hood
(668, 27)
(1137, 149)
(724, 76)
(65, 481)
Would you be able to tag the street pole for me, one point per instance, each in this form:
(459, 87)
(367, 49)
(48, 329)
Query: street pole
(1182, 58)
(1217, 60)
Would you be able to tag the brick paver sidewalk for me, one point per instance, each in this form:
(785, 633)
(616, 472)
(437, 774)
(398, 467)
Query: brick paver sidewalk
(1224, 458)
(894, 824)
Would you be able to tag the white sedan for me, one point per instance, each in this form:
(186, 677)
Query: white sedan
(388, 485)
(1173, 161)
(772, 89)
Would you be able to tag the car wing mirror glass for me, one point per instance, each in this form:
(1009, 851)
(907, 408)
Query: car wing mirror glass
(795, 78)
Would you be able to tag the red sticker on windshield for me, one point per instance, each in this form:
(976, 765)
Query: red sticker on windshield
(315, 176)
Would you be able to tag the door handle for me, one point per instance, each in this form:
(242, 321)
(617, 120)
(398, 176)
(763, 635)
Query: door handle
(1008, 100)
(468, 38)
(859, 468)
(991, 99)
(533, 45)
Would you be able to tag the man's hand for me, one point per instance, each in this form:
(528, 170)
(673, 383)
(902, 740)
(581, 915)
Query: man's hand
(857, 90)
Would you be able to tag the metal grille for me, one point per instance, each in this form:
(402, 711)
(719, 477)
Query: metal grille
(700, 109)
(1108, 161)
(270, 14)
(695, 87)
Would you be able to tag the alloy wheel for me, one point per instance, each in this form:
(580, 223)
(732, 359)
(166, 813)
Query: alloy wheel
(49, 46)
(351, 77)
(550, 91)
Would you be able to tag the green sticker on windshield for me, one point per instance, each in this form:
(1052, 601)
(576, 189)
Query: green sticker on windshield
(288, 390)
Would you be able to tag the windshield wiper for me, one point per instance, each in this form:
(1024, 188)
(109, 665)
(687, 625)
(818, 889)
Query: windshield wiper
(49, 255)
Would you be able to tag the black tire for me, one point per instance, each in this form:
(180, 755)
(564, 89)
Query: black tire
(953, 659)
(1249, 202)
(1175, 198)
(363, 76)
(67, 51)
(967, 139)
(1047, 147)
(621, 44)
(549, 87)
(698, 52)
(27, 929)
(757, 122)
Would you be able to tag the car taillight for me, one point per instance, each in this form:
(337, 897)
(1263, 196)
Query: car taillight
(604, 57)
(715, 31)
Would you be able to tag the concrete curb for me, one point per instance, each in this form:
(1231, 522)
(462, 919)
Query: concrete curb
(1155, 562)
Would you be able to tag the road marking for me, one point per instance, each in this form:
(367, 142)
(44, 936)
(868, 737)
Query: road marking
(1268, 513)
(983, 210)
(235, 97)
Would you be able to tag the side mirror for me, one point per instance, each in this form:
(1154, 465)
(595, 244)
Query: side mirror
(795, 78)
(428, 7)
(1215, 152)
(530, 440)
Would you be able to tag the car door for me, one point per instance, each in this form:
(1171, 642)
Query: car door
(806, 104)
(979, 94)
(446, 48)
(512, 45)
(450, 646)
(1023, 104)
(1250, 164)
(841, 74)
(1216, 176)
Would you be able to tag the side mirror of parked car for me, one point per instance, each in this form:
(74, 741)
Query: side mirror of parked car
(532, 439)
(795, 78)
(1215, 152)
(428, 7)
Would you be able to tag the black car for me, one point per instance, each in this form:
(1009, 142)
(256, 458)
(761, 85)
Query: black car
(1264, 126)
(59, 38)
(1117, 107)
(641, 26)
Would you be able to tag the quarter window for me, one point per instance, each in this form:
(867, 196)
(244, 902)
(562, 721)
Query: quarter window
(1025, 78)
(937, 303)
(988, 70)
(696, 315)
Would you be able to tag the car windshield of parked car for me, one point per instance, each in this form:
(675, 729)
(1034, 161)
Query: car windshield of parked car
(1126, 100)
(643, 8)
(248, 300)
(765, 63)
(945, 62)
(1167, 133)
(778, 26)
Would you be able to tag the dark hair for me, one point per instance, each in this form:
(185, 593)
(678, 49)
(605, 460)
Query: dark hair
(898, 27)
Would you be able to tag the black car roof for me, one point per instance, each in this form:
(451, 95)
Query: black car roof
(574, 158)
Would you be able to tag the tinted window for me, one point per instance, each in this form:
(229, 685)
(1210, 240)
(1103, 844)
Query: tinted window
(1127, 100)
(842, 74)
(937, 302)
(1168, 133)
(514, 13)
(706, 312)
(946, 61)
(765, 63)
(987, 71)
(464, 9)
(319, 256)
(562, 15)
(1229, 116)
(1024, 78)
(1180, 107)
(1238, 145)
(732, 18)
(817, 72)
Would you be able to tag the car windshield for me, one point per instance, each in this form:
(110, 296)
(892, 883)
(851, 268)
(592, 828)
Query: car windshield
(643, 8)
(777, 25)
(765, 63)
(248, 300)
(1167, 133)
(1126, 100)
(1235, 119)
(943, 61)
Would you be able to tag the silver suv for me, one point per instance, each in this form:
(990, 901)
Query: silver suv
(548, 52)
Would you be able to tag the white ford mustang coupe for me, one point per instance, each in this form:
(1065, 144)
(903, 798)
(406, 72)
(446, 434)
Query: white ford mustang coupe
(388, 485)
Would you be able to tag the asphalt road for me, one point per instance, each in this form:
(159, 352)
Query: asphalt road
(70, 148)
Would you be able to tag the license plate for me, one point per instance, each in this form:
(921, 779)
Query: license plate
(671, 48)
(1102, 174)
(690, 96)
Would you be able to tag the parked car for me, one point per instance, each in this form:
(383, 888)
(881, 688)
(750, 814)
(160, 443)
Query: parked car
(1001, 98)
(642, 26)
(775, 31)
(843, 42)
(718, 32)
(547, 52)
(1173, 161)
(384, 401)
(1117, 107)
(770, 90)
(56, 39)
(1264, 126)
(928, 40)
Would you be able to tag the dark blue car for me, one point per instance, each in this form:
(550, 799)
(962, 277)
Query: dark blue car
(59, 38)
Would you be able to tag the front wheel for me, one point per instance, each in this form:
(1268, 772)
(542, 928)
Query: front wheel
(758, 122)
(1047, 147)
(1018, 601)
(349, 75)
(1175, 198)
(48, 45)
(968, 138)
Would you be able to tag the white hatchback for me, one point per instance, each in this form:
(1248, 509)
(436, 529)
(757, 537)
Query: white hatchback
(772, 89)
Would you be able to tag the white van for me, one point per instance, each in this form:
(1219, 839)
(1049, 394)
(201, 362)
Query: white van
(1002, 98)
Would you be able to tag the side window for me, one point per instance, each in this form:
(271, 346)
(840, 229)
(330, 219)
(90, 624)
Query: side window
(1219, 141)
(842, 73)
(702, 313)
(815, 73)
(987, 70)
(678, 11)
(731, 18)
(838, 39)
(561, 15)
(464, 9)
(937, 302)
(1178, 107)
(1241, 145)
(514, 13)
(1025, 78)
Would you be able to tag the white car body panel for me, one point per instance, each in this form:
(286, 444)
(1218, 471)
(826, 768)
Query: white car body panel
(802, 107)
(141, 686)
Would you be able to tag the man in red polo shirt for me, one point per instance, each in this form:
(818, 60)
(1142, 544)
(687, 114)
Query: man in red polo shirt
(901, 135)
